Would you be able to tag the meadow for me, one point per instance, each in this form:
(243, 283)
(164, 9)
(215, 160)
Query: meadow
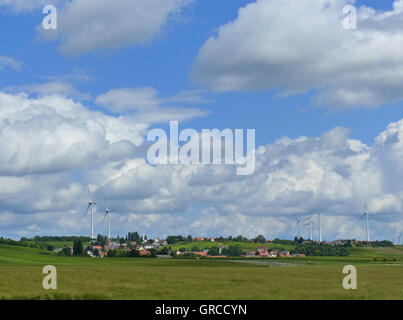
(146, 278)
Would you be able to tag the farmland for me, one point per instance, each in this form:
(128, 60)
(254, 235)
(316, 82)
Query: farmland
(380, 273)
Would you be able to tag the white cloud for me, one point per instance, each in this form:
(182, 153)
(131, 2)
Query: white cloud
(54, 148)
(50, 88)
(298, 46)
(149, 107)
(52, 134)
(9, 62)
(332, 173)
(93, 25)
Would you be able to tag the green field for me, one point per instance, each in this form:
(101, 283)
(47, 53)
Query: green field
(244, 245)
(145, 278)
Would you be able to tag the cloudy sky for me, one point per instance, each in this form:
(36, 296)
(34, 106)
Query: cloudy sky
(76, 104)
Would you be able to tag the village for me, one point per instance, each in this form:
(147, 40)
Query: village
(202, 248)
(156, 246)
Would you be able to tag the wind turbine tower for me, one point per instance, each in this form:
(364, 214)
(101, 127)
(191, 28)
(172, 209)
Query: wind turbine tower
(298, 226)
(108, 213)
(310, 225)
(320, 226)
(91, 207)
(366, 214)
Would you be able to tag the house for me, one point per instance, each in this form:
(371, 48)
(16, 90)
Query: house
(198, 239)
(144, 253)
(99, 248)
(263, 254)
(112, 246)
(273, 254)
(250, 254)
(202, 254)
(284, 254)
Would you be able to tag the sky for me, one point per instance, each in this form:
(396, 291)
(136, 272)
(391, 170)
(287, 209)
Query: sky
(76, 104)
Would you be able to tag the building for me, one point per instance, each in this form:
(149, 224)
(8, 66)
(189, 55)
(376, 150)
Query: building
(144, 253)
(285, 254)
(202, 254)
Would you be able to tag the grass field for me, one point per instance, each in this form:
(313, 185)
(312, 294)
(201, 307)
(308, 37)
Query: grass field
(128, 278)
(244, 245)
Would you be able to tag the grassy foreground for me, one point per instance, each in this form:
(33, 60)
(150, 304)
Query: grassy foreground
(127, 278)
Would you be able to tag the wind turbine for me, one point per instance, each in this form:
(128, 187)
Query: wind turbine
(366, 214)
(310, 224)
(397, 241)
(108, 213)
(298, 226)
(320, 226)
(91, 206)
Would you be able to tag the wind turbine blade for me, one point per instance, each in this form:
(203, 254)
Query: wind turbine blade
(86, 211)
(104, 217)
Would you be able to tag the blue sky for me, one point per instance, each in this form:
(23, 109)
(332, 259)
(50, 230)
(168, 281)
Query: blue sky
(177, 59)
(166, 63)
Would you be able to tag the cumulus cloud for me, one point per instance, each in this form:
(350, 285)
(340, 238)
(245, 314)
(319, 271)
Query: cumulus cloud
(331, 173)
(52, 133)
(298, 46)
(54, 148)
(93, 25)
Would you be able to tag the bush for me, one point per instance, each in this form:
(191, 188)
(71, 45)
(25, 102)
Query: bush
(65, 252)
(214, 251)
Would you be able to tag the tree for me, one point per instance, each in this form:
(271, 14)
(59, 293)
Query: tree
(111, 253)
(66, 251)
(234, 251)
(101, 240)
(134, 253)
(164, 250)
(214, 251)
(260, 239)
(134, 237)
(153, 253)
(189, 238)
(239, 238)
(78, 248)
(174, 239)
